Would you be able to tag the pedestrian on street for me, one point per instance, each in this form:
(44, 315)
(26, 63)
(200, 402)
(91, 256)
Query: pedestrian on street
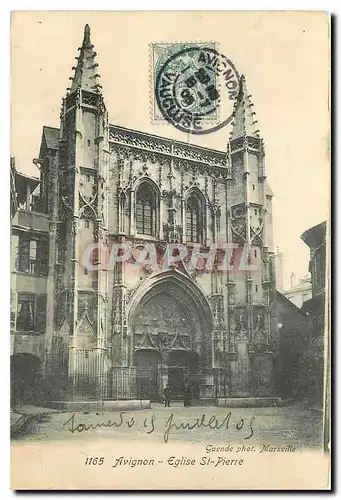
(187, 396)
(166, 393)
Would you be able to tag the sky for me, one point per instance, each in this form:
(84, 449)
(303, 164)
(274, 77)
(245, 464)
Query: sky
(283, 55)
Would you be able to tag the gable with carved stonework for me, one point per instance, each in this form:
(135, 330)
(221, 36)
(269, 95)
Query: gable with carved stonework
(85, 337)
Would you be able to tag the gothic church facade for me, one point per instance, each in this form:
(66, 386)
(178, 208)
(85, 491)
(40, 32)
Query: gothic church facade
(110, 327)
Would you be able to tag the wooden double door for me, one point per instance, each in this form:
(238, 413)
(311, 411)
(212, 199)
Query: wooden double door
(182, 367)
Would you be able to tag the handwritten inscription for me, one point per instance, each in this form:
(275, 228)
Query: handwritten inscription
(123, 421)
(204, 421)
(173, 425)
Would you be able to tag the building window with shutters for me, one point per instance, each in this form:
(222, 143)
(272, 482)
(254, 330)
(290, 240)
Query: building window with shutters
(146, 210)
(32, 256)
(194, 219)
(31, 312)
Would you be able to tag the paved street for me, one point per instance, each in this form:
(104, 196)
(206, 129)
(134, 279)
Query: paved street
(298, 426)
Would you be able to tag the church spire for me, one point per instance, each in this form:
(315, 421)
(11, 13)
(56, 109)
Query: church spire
(86, 74)
(244, 123)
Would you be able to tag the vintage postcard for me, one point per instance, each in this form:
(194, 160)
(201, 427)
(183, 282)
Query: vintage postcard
(170, 191)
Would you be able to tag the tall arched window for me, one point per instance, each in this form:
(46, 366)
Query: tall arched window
(146, 210)
(194, 219)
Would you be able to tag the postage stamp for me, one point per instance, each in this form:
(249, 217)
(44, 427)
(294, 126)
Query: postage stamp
(195, 87)
(160, 53)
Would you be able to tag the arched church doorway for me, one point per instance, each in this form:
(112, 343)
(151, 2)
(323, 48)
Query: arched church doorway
(26, 379)
(171, 324)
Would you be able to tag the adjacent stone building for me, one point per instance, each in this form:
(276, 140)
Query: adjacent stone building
(122, 328)
(302, 357)
(315, 308)
(295, 332)
(29, 265)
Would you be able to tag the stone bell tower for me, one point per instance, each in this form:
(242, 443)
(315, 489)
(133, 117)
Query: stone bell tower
(81, 294)
(251, 285)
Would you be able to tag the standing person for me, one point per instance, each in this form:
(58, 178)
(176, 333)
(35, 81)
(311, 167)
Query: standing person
(166, 393)
(187, 396)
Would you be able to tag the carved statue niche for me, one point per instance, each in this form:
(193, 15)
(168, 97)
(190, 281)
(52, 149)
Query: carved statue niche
(238, 223)
(164, 346)
(164, 340)
(241, 332)
(260, 335)
(217, 310)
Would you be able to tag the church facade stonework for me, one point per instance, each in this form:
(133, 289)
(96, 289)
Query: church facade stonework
(138, 205)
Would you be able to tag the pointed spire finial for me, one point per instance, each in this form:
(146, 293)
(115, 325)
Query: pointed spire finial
(86, 74)
(243, 116)
(87, 33)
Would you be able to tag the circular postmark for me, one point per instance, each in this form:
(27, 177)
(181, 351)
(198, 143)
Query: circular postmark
(196, 89)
